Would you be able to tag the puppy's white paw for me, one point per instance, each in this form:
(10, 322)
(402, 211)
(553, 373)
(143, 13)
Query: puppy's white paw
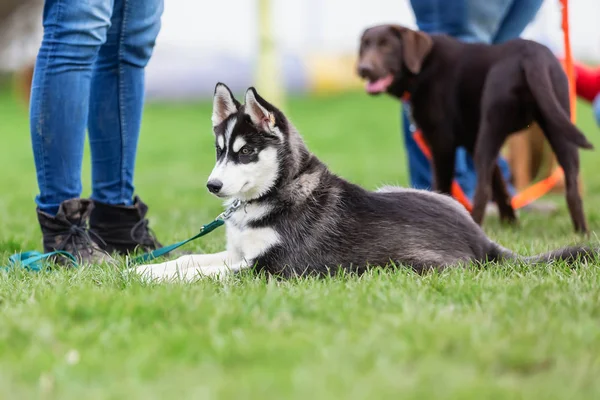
(173, 272)
(160, 272)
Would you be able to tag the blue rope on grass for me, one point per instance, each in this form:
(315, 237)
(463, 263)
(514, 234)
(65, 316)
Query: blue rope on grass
(33, 260)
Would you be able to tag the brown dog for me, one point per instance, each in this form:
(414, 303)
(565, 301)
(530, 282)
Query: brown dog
(475, 96)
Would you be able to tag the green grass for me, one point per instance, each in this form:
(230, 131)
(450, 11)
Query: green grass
(510, 332)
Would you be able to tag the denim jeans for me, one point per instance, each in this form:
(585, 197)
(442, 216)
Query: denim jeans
(89, 73)
(470, 21)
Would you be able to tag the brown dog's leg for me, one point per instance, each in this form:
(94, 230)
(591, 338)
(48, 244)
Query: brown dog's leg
(552, 163)
(574, 202)
(443, 168)
(567, 155)
(502, 197)
(483, 191)
(564, 137)
(489, 142)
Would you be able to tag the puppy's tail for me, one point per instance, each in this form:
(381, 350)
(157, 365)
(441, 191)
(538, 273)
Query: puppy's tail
(569, 255)
(552, 98)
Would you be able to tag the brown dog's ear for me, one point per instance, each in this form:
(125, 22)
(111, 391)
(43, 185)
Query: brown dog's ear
(416, 45)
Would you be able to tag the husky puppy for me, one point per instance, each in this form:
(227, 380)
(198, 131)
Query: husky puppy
(292, 216)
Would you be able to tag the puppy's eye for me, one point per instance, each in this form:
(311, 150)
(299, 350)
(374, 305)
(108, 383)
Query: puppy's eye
(382, 43)
(245, 151)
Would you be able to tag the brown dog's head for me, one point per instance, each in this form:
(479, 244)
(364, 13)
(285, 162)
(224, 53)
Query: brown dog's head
(388, 50)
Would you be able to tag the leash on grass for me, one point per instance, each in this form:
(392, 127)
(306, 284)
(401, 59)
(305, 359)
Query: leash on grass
(33, 260)
(204, 230)
(538, 189)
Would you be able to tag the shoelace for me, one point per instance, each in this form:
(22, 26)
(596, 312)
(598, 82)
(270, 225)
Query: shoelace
(146, 235)
(76, 235)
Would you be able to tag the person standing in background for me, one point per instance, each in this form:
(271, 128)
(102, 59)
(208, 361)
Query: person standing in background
(89, 73)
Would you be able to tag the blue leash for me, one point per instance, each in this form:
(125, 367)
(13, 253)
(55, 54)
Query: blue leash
(204, 230)
(32, 260)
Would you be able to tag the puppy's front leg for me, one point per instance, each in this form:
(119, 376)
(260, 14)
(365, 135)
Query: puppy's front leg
(209, 259)
(180, 267)
(219, 271)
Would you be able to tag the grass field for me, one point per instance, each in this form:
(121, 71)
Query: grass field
(511, 332)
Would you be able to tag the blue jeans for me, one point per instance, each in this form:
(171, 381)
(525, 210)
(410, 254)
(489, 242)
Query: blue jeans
(470, 21)
(89, 73)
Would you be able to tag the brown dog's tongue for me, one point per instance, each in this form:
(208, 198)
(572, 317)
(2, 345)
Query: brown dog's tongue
(380, 85)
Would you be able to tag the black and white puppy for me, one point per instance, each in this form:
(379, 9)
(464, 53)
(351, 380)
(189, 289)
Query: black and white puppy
(297, 218)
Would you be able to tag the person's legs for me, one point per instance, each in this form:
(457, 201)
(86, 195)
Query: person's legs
(441, 16)
(517, 17)
(73, 33)
(455, 19)
(484, 19)
(419, 169)
(117, 99)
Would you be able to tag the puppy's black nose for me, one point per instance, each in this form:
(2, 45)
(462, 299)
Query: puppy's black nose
(365, 70)
(214, 186)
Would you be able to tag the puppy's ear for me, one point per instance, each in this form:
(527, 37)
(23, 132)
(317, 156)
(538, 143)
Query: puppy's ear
(416, 45)
(224, 104)
(258, 110)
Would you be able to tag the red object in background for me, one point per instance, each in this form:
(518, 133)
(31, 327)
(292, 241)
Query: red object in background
(587, 82)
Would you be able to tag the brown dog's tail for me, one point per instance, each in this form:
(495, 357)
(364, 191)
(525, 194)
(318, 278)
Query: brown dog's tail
(546, 92)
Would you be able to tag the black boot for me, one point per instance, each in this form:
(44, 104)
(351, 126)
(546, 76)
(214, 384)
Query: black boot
(123, 229)
(68, 231)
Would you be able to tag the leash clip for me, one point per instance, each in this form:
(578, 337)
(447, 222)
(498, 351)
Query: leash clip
(225, 215)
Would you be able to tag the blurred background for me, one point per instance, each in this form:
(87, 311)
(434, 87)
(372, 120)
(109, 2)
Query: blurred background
(300, 54)
(313, 41)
